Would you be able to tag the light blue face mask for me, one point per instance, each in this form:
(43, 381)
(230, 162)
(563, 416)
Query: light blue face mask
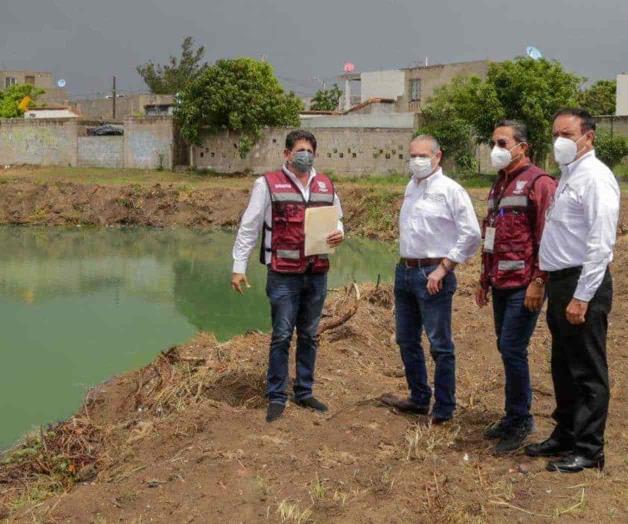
(303, 161)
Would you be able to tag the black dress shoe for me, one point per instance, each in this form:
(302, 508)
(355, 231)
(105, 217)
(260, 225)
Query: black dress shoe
(548, 448)
(405, 405)
(274, 411)
(312, 403)
(575, 463)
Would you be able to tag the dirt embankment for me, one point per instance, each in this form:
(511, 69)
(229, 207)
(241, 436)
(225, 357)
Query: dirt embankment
(184, 439)
(368, 211)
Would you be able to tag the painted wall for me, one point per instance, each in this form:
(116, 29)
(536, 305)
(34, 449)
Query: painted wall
(360, 120)
(101, 151)
(382, 84)
(38, 142)
(148, 143)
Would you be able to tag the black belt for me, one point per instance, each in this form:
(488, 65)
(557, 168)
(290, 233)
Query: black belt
(565, 273)
(420, 262)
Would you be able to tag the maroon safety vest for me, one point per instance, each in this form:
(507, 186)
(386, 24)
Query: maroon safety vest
(288, 223)
(511, 264)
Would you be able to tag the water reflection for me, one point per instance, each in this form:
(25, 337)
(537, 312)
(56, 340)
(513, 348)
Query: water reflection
(82, 304)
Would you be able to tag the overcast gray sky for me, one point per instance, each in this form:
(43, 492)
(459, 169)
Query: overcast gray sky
(87, 41)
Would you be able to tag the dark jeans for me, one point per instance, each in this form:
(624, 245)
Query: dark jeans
(514, 325)
(296, 300)
(416, 309)
(579, 367)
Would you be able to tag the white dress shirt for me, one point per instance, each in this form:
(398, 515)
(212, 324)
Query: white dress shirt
(260, 210)
(437, 220)
(581, 225)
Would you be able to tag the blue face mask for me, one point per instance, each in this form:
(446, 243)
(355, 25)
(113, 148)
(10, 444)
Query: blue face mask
(302, 161)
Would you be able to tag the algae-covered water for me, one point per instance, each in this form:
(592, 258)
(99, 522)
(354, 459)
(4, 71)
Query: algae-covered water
(79, 305)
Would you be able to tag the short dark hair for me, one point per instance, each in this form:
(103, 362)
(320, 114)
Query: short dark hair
(300, 134)
(587, 123)
(520, 130)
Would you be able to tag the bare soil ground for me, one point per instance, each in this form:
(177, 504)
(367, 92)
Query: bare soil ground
(184, 439)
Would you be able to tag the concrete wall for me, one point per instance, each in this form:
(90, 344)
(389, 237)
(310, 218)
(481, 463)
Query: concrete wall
(618, 124)
(101, 151)
(340, 150)
(358, 120)
(433, 77)
(148, 143)
(382, 84)
(38, 142)
(622, 95)
(126, 106)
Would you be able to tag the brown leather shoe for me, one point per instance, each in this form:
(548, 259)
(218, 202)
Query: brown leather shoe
(405, 405)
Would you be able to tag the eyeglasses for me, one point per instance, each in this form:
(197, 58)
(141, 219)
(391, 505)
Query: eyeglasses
(502, 142)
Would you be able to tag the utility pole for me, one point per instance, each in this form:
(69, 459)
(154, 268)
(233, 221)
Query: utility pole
(113, 93)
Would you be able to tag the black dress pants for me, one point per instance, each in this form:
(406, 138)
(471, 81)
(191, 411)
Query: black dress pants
(579, 367)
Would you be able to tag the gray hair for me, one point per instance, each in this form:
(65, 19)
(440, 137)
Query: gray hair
(519, 129)
(428, 138)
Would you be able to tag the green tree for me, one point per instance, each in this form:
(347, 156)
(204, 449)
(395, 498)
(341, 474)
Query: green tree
(610, 149)
(599, 98)
(11, 98)
(326, 99)
(523, 89)
(174, 76)
(241, 95)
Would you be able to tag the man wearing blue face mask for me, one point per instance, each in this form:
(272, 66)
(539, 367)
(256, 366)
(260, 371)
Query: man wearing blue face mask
(576, 250)
(438, 230)
(512, 232)
(296, 284)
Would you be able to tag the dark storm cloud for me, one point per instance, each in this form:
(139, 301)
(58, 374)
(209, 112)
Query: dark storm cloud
(87, 41)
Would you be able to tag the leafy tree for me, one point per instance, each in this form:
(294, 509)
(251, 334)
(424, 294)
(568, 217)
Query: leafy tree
(11, 98)
(326, 99)
(600, 98)
(241, 95)
(174, 76)
(523, 89)
(610, 149)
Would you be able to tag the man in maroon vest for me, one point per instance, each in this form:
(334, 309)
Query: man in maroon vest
(296, 284)
(512, 233)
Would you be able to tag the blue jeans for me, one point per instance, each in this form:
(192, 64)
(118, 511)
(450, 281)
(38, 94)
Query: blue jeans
(514, 325)
(416, 309)
(296, 300)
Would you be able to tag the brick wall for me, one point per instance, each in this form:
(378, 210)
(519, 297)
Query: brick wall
(101, 151)
(148, 143)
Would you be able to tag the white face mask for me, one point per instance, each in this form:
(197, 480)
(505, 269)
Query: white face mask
(501, 157)
(420, 167)
(565, 150)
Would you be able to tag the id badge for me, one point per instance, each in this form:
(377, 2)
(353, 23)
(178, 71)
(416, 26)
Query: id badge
(489, 239)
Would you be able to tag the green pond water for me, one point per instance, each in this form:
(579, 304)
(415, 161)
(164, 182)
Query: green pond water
(79, 305)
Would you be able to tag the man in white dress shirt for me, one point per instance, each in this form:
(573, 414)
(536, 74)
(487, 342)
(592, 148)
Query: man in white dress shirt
(296, 284)
(576, 250)
(438, 230)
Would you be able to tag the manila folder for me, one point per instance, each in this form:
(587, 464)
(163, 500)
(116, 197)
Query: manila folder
(320, 222)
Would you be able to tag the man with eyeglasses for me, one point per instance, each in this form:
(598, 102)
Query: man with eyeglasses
(576, 251)
(438, 230)
(512, 232)
(296, 284)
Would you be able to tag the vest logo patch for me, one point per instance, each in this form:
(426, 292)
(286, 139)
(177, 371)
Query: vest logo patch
(283, 186)
(519, 186)
(322, 186)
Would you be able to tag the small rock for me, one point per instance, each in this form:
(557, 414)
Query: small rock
(153, 483)
(523, 468)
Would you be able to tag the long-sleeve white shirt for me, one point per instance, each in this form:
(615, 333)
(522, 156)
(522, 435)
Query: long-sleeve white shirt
(581, 225)
(437, 220)
(260, 210)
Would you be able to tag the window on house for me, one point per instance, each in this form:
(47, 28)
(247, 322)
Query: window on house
(29, 80)
(415, 89)
(9, 81)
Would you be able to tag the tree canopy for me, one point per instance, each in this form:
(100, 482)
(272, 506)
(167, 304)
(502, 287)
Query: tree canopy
(239, 94)
(10, 99)
(170, 78)
(326, 99)
(523, 89)
(599, 98)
